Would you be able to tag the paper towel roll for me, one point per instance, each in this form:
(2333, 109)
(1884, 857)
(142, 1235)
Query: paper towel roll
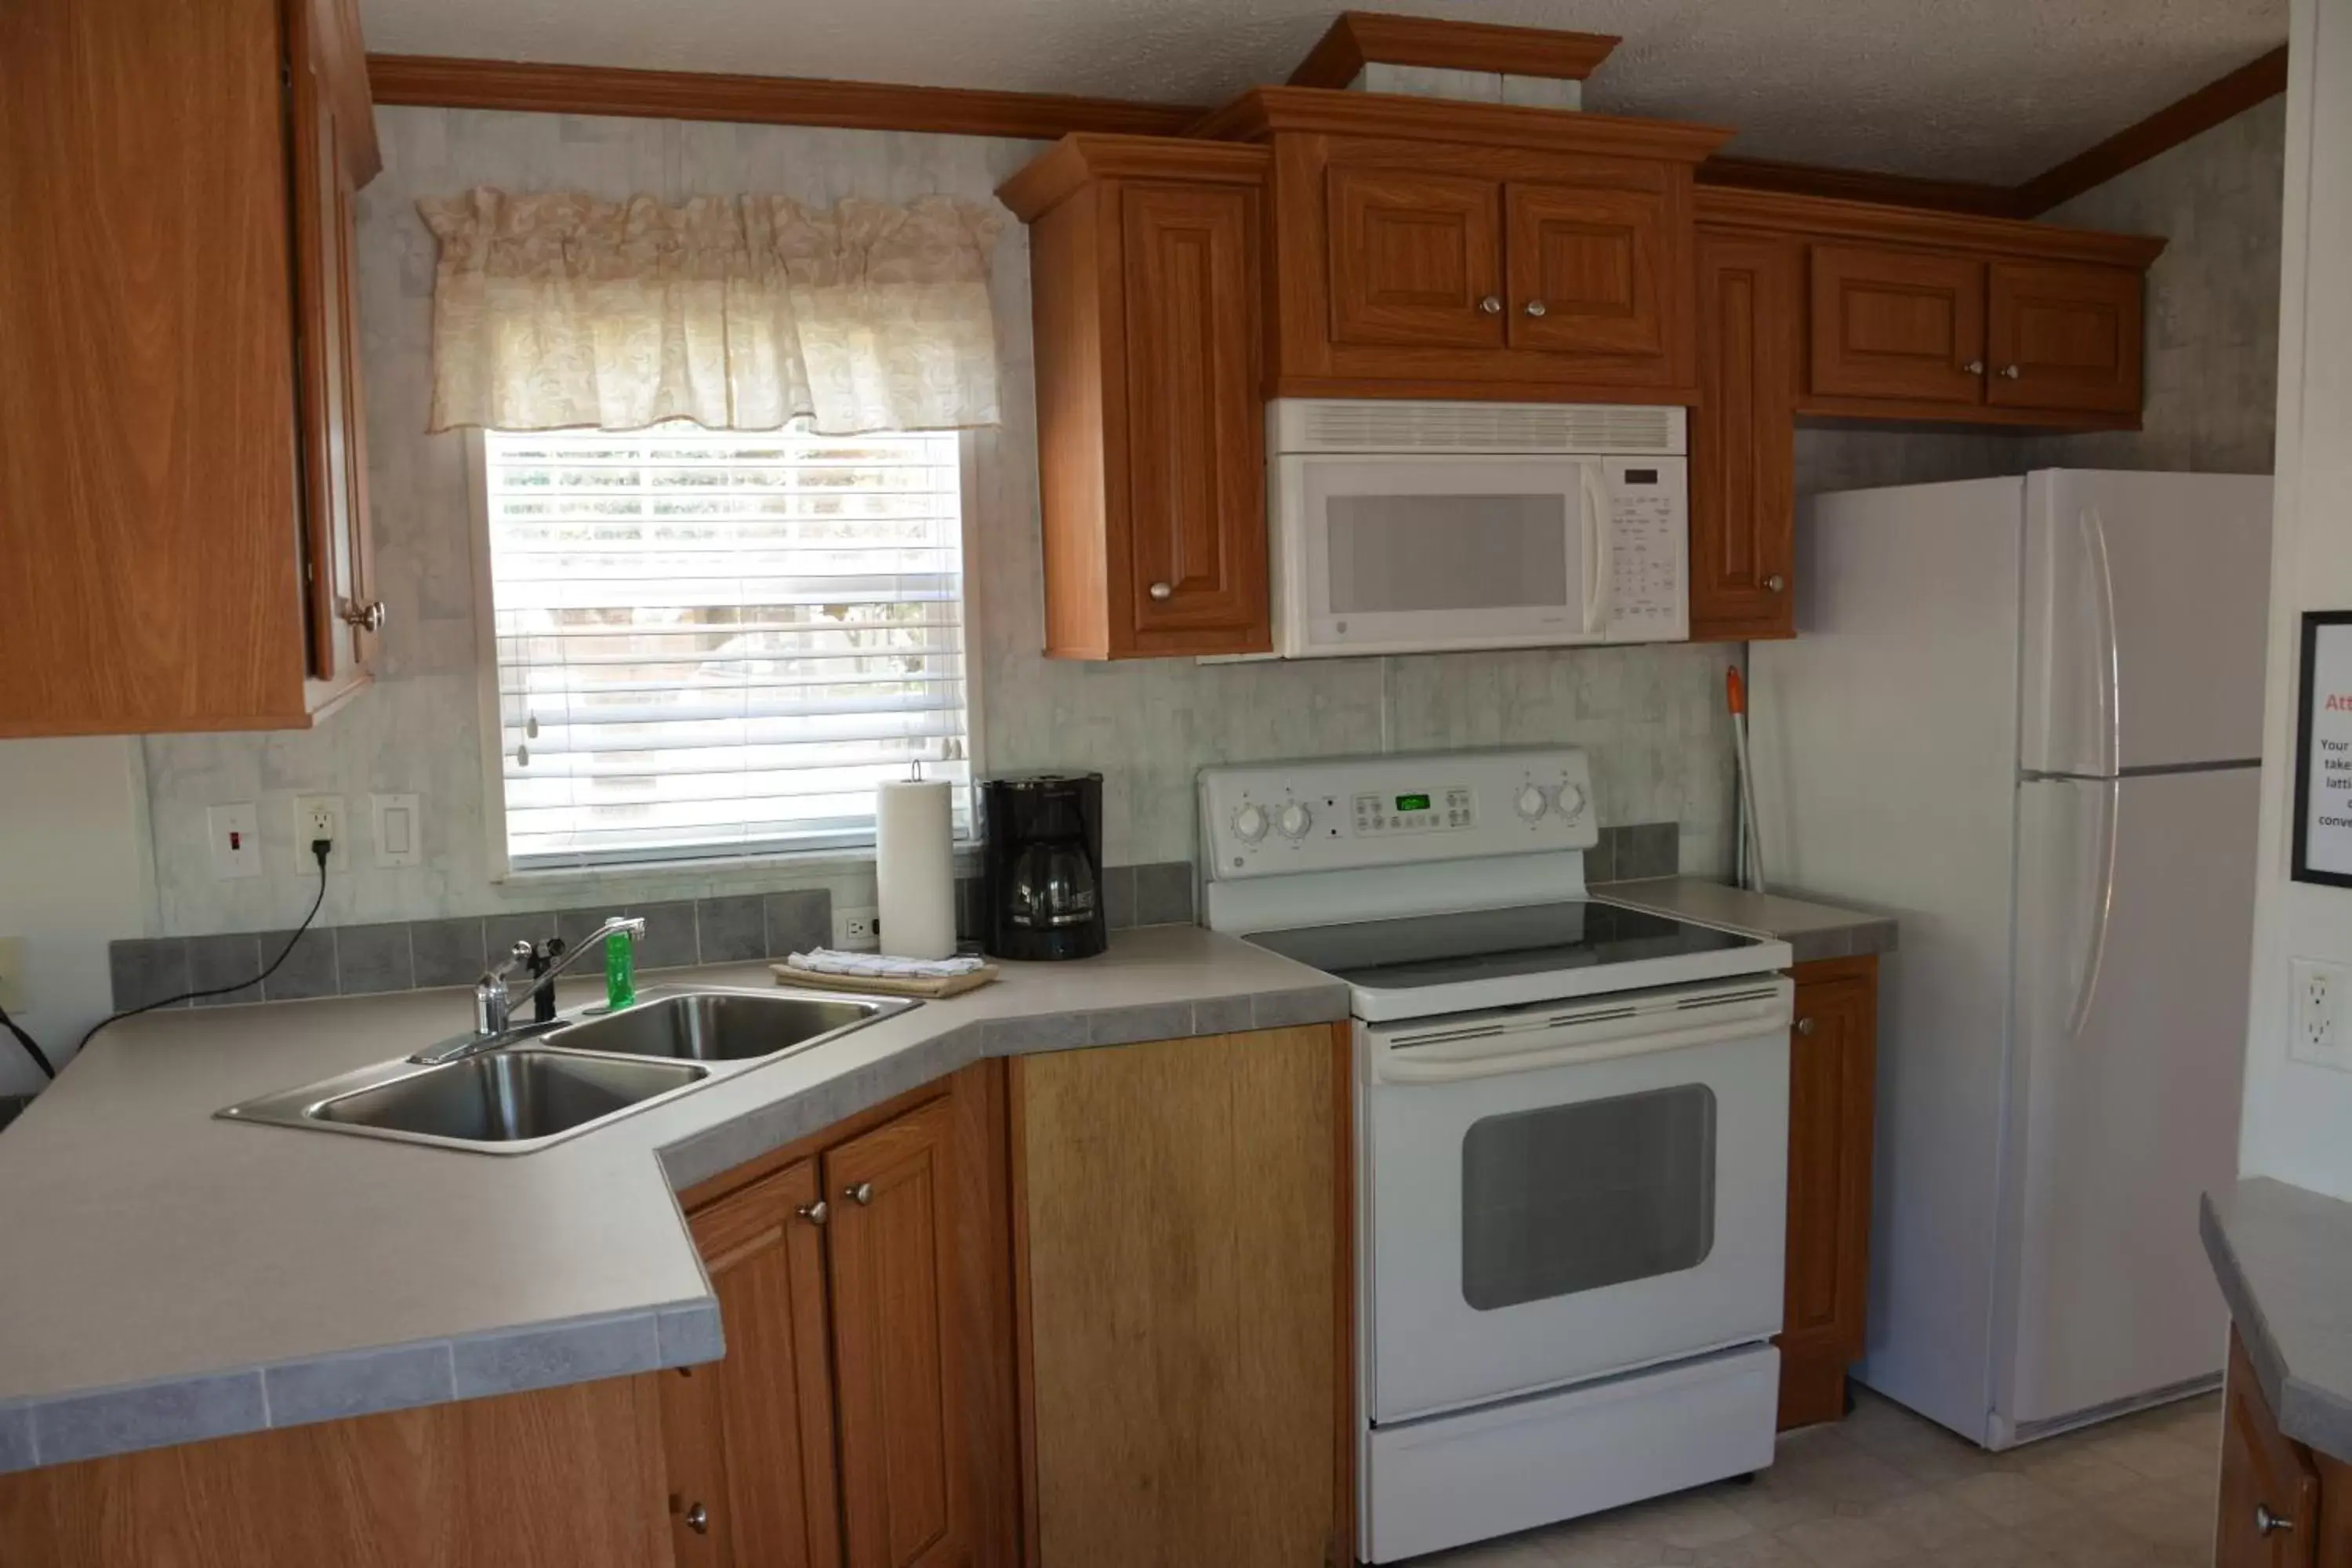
(914, 867)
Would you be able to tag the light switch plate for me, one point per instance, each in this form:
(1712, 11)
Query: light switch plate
(2317, 1034)
(321, 816)
(399, 835)
(234, 832)
(12, 973)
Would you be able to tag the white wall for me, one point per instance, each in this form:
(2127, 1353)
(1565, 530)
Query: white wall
(75, 872)
(2298, 1118)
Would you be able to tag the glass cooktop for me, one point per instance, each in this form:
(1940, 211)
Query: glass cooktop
(1489, 944)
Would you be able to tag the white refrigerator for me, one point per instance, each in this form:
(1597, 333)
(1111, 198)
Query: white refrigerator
(2023, 716)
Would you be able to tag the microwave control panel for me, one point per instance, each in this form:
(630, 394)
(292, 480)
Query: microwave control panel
(1649, 555)
(1340, 813)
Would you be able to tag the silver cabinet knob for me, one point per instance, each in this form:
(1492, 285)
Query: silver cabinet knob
(861, 1195)
(1491, 305)
(815, 1213)
(2008, 372)
(1161, 592)
(1535, 306)
(2269, 1524)
(697, 1520)
(1805, 1025)
(1775, 583)
(368, 617)
(1974, 367)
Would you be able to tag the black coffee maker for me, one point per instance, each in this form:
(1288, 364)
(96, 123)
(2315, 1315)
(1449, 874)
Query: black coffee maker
(1042, 867)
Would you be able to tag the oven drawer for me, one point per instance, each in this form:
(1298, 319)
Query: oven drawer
(1622, 1205)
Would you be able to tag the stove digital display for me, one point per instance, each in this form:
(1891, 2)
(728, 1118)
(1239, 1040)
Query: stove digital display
(1412, 802)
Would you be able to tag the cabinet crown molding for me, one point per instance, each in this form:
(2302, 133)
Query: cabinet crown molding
(1834, 217)
(1044, 183)
(1265, 112)
(1359, 38)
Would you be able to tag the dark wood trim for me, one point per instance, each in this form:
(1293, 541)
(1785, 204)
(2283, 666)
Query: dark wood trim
(758, 99)
(1359, 38)
(1834, 217)
(1070, 164)
(1263, 112)
(2168, 127)
(1860, 186)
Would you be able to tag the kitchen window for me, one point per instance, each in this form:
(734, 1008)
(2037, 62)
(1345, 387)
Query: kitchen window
(714, 644)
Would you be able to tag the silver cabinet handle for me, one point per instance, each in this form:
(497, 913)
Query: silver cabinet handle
(1161, 592)
(368, 617)
(2008, 372)
(1805, 1025)
(815, 1213)
(1491, 305)
(2269, 1524)
(1974, 367)
(1775, 583)
(860, 1194)
(1535, 306)
(697, 1520)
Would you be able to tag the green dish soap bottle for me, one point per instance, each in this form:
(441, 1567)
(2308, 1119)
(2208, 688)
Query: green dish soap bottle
(620, 971)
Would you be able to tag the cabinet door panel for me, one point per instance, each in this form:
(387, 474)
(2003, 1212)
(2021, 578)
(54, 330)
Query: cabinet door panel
(749, 1438)
(903, 1487)
(2064, 337)
(1743, 440)
(1832, 1074)
(1898, 324)
(1591, 262)
(2262, 1470)
(1414, 255)
(1196, 512)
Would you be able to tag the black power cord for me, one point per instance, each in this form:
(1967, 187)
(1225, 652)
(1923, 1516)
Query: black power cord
(320, 849)
(25, 1040)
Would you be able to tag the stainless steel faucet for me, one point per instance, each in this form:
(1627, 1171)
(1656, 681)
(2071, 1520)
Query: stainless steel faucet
(494, 1004)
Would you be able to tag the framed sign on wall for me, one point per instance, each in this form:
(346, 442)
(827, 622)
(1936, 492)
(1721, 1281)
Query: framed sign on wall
(2322, 751)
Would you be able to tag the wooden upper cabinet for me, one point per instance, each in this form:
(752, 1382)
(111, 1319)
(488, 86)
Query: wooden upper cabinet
(749, 1438)
(1743, 439)
(2063, 335)
(1833, 1079)
(1415, 259)
(905, 1483)
(1145, 263)
(180, 441)
(1899, 324)
(1591, 270)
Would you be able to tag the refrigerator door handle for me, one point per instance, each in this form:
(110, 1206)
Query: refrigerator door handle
(2109, 675)
(2101, 907)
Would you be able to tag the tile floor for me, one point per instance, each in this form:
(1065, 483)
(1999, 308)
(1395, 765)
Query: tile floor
(1887, 1489)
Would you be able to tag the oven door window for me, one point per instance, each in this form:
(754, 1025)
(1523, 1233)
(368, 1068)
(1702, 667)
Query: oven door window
(1400, 555)
(1569, 1198)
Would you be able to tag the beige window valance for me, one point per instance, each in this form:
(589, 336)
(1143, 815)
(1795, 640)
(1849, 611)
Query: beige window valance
(562, 311)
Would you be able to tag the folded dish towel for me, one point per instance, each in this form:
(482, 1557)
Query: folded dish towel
(830, 960)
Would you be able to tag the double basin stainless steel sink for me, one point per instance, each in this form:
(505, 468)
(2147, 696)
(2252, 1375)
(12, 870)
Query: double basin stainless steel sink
(583, 1072)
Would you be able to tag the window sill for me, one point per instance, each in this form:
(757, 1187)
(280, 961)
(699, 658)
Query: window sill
(798, 863)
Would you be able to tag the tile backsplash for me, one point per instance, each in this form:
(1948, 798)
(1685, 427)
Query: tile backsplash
(406, 955)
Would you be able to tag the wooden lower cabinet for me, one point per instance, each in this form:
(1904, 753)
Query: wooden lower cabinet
(1833, 1077)
(1183, 1223)
(2281, 1506)
(862, 1416)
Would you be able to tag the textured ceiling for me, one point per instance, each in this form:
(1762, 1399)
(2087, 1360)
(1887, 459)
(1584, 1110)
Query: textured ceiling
(1975, 89)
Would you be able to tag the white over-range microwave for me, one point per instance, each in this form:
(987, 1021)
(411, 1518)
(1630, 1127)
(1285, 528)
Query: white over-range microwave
(1421, 527)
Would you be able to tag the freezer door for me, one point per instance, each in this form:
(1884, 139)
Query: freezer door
(2147, 599)
(2135, 901)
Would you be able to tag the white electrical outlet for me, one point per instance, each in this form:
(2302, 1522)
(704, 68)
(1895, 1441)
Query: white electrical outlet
(2318, 1037)
(319, 816)
(399, 836)
(235, 834)
(12, 973)
(857, 929)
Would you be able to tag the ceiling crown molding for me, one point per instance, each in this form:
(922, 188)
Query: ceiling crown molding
(1359, 38)
(2252, 83)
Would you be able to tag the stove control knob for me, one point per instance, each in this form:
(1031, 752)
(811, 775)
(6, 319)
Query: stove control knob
(1249, 823)
(1295, 820)
(1571, 800)
(1530, 803)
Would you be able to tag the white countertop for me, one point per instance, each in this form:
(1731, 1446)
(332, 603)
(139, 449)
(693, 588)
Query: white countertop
(166, 1276)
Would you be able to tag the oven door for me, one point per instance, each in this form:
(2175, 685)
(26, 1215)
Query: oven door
(1557, 1193)
(1399, 555)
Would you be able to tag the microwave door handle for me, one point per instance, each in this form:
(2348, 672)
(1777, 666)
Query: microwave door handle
(1597, 550)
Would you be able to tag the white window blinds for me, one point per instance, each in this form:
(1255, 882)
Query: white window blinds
(716, 644)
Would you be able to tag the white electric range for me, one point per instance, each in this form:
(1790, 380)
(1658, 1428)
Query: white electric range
(1571, 1124)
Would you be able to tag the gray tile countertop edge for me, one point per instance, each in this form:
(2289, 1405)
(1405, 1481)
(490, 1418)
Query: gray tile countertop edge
(2283, 1258)
(93, 1424)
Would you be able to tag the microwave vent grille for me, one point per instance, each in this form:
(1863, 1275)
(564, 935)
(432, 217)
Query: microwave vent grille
(1363, 426)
